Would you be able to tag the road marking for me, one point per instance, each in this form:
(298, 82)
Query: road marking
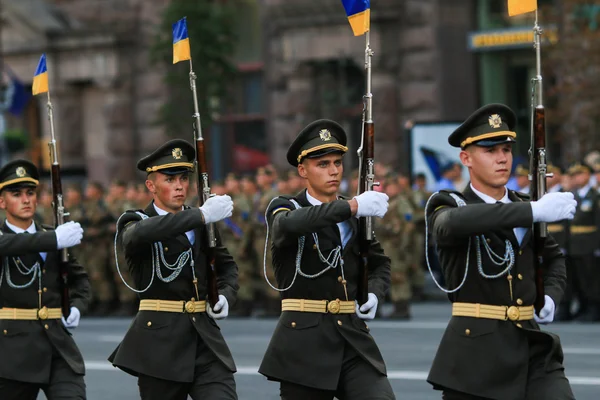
(394, 374)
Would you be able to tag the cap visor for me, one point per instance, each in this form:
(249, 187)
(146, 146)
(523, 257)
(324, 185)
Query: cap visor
(494, 141)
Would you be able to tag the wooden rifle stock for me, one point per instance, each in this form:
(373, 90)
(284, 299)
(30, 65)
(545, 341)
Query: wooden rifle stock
(59, 219)
(365, 182)
(212, 291)
(538, 189)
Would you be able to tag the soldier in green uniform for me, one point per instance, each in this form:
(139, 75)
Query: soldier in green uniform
(393, 232)
(174, 346)
(321, 346)
(264, 179)
(493, 347)
(94, 250)
(37, 352)
(236, 235)
(584, 244)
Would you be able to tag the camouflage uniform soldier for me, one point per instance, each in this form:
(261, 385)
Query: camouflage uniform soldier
(264, 179)
(117, 203)
(420, 195)
(236, 234)
(94, 249)
(392, 236)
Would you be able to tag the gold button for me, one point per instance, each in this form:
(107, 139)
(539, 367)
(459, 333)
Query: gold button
(46, 326)
(339, 322)
(5, 332)
(340, 279)
(149, 323)
(520, 302)
(520, 252)
(166, 249)
(520, 277)
(45, 290)
(314, 246)
(293, 324)
(488, 240)
(367, 326)
(519, 325)
(509, 277)
(467, 332)
(44, 271)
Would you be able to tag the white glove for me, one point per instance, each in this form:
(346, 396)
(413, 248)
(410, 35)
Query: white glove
(217, 208)
(372, 204)
(221, 308)
(73, 318)
(554, 207)
(546, 313)
(68, 235)
(367, 310)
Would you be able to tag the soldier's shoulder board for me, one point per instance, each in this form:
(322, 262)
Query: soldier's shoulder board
(130, 216)
(280, 203)
(442, 199)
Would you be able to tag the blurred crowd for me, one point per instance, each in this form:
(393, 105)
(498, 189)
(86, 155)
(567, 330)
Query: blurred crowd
(401, 233)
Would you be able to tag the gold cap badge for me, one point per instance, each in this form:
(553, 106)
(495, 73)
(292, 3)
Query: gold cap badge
(495, 121)
(325, 135)
(177, 153)
(21, 172)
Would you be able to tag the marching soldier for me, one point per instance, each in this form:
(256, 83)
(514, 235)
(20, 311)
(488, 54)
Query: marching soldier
(584, 245)
(38, 353)
(493, 347)
(174, 346)
(321, 347)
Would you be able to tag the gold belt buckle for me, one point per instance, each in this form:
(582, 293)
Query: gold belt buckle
(43, 313)
(190, 306)
(513, 313)
(334, 306)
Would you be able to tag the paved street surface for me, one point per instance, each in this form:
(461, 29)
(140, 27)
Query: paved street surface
(408, 348)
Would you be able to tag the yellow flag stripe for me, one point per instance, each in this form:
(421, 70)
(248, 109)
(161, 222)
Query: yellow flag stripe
(181, 51)
(361, 22)
(516, 7)
(40, 83)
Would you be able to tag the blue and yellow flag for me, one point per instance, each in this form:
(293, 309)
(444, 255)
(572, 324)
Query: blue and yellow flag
(40, 79)
(359, 15)
(516, 7)
(181, 42)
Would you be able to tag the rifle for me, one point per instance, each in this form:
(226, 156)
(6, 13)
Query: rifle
(212, 291)
(366, 176)
(58, 207)
(538, 167)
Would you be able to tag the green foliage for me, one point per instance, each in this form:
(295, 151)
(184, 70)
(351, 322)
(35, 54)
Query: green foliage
(211, 29)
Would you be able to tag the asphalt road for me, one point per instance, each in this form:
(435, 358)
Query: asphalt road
(408, 348)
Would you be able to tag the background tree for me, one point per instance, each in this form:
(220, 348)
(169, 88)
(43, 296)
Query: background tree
(211, 29)
(573, 92)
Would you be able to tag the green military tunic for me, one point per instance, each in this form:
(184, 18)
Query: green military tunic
(301, 338)
(488, 357)
(28, 346)
(173, 337)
